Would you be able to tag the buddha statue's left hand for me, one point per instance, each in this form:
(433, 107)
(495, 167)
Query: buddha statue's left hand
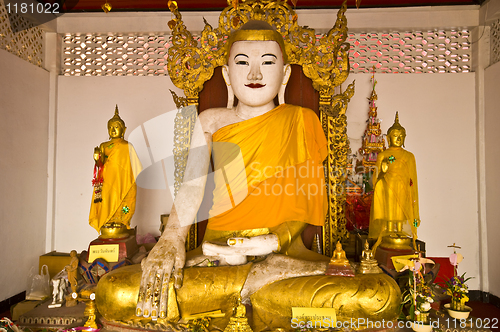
(238, 248)
(255, 246)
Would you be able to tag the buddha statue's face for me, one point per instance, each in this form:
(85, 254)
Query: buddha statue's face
(255, 71)
(396, 138)
(116, 130)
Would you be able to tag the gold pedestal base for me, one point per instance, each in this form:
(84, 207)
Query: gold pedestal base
(114, 231)
(367, 296)
(398, 241)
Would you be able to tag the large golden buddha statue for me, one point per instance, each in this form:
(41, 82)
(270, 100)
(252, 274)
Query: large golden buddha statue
(115, 171)
(394, 215)
(271, 187)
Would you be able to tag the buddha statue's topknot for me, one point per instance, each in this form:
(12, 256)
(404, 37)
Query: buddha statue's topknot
(396, 125)
(257, 30)
(116, 118)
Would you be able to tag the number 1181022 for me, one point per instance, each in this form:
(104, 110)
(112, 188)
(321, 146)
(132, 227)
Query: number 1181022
(479, 323)
(32, 8)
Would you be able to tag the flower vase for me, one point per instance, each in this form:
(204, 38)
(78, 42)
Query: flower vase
(457, 304)
(421, 322)
(457, 309)
(422, 317)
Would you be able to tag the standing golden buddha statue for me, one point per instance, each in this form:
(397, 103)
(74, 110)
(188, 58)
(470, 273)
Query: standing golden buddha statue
(116, 168)
(394, 215)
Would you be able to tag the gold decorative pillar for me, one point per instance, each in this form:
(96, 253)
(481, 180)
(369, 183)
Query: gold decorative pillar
(334, 121)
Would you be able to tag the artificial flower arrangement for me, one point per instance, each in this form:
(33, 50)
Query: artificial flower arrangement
(457, 287)
(418, 293)
(422, 296)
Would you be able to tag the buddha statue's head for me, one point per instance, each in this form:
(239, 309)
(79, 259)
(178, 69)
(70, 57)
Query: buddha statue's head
(116, 126)
(396, 134)
(257, 68)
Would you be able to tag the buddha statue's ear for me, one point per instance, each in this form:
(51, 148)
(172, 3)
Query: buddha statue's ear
(230, 94)
(287, 70)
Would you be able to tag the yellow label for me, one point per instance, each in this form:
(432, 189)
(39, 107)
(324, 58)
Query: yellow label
(108, 252)
(400, 262)
(313, 317)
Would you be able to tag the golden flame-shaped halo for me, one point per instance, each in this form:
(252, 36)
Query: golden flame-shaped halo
(325, 60)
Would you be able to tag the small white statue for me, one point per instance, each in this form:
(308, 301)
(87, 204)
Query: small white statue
(59, 286)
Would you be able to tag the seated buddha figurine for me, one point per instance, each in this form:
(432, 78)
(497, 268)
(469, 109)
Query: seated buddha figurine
(368, 263)
(259, 209)
(115, 171)
(394, 213)
(339, 264)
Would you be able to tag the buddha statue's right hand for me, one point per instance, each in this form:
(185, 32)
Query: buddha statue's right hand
(165, 260)
(97, 154)
(384, 167)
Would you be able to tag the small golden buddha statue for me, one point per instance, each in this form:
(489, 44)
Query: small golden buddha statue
(238, 322)
(116, 168)
(90, 312)
(394, 214)
(368, 263)
(339, 264)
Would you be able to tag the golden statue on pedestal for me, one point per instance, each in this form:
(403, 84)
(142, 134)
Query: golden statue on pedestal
(115, 171)
(368, 263)
(239, 321)
(394, 216)
(275, 143)
(339, 264)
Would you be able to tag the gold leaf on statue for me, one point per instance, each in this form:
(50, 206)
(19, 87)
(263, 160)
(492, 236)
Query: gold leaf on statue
(294, 2)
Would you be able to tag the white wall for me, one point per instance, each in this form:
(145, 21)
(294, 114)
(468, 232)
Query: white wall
(24, 100)
(492, 139)
(438, 113)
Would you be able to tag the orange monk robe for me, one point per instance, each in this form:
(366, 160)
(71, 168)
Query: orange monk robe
(268, 171)
(121, 167)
